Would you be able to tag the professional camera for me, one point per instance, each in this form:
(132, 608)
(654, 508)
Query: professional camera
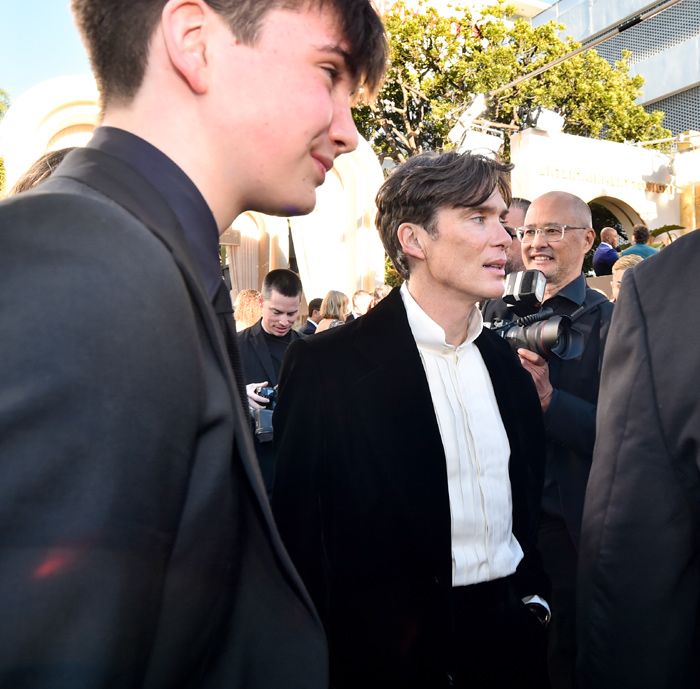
(536, 329)
(263, 417)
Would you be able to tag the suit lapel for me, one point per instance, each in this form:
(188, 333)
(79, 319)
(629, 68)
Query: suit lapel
(261, 351)
(122, 184)
(396, 390)
(395, 409)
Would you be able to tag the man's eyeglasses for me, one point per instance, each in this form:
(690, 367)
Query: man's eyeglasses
(552, 232)
(512, 231)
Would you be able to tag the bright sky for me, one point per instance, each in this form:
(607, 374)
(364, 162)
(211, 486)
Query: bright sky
(37, 42)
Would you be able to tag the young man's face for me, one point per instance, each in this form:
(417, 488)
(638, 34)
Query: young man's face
(468, 256)
(288, 96)
(279, 313)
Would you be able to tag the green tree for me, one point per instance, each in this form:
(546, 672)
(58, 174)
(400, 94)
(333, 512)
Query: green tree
(439, 62)
(4, 104)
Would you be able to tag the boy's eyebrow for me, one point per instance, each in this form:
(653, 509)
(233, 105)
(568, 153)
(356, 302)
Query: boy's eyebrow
(334, 48)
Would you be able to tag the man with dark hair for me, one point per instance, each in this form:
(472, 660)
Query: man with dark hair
(556, 237)
(137, 546)
(313, 318)
(414, 532)
(262, 348)
(606, 252)
(495, 311)
(514, 219)
(641, 246)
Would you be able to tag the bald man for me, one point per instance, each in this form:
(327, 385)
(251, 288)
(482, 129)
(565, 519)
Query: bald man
(556, 236)
(606, 253)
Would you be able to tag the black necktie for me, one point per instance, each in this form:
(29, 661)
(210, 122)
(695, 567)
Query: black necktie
(224, 310)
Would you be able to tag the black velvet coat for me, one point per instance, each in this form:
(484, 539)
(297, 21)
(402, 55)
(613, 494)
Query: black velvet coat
(361, 493)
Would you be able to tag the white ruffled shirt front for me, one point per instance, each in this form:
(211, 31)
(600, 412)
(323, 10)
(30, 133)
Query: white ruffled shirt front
(476, 449)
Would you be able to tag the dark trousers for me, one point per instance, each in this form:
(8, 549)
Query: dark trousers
(559, 559)
(496, 642)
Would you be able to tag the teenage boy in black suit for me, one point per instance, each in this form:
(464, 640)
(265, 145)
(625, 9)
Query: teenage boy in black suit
(137, 547)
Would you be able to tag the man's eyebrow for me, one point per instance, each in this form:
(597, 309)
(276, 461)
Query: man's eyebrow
(482, 209)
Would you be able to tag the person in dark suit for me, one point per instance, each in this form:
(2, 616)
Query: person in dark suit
(313, 318)
(639, 569)
(414, 533)
(137, 546)
(606, 254)
(262, 348)
(555, 239)
(496, 311)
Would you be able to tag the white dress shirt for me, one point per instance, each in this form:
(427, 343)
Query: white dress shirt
(476, 449)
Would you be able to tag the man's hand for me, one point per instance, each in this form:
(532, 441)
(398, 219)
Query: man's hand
(539, 370)
(256, 401)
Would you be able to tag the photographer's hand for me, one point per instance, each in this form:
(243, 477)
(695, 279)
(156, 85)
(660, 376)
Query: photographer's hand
(256, 401)
(539, 370)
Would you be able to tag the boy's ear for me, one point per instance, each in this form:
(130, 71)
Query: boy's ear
(186, 28)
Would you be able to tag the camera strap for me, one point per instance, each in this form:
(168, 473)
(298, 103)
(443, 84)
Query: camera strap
(582, 310)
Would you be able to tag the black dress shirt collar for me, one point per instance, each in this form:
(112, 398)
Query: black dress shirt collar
(574, 292)
(180, 193)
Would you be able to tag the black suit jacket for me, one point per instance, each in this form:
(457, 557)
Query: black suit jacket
(639, 564)
(137, 548)
(308, 329)
(258, 366)
(255, 355)
(366, 515)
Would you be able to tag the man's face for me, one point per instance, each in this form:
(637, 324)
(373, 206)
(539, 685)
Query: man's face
(283, 109)
(514, 260)
(468, 256)
(616, 283)
(562, 261)
(279, 313)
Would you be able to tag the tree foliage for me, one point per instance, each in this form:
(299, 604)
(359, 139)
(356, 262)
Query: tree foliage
(439, 62)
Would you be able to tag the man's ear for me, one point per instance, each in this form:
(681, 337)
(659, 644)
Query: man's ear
(185, 28)
(410, 237)
(589, 239)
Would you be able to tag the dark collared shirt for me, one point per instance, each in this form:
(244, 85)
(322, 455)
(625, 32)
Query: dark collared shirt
(569, 297)
(180, 193)
(570, 418)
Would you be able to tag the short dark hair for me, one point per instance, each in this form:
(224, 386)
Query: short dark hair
(118, 34)
(315, 305)
(427, 182)
(284, 281)
(641, 234)
(522, 204)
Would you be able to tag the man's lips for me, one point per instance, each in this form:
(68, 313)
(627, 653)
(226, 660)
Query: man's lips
(497, 266)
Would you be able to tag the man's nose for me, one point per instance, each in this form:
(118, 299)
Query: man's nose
(502, 235)
(540, 239)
